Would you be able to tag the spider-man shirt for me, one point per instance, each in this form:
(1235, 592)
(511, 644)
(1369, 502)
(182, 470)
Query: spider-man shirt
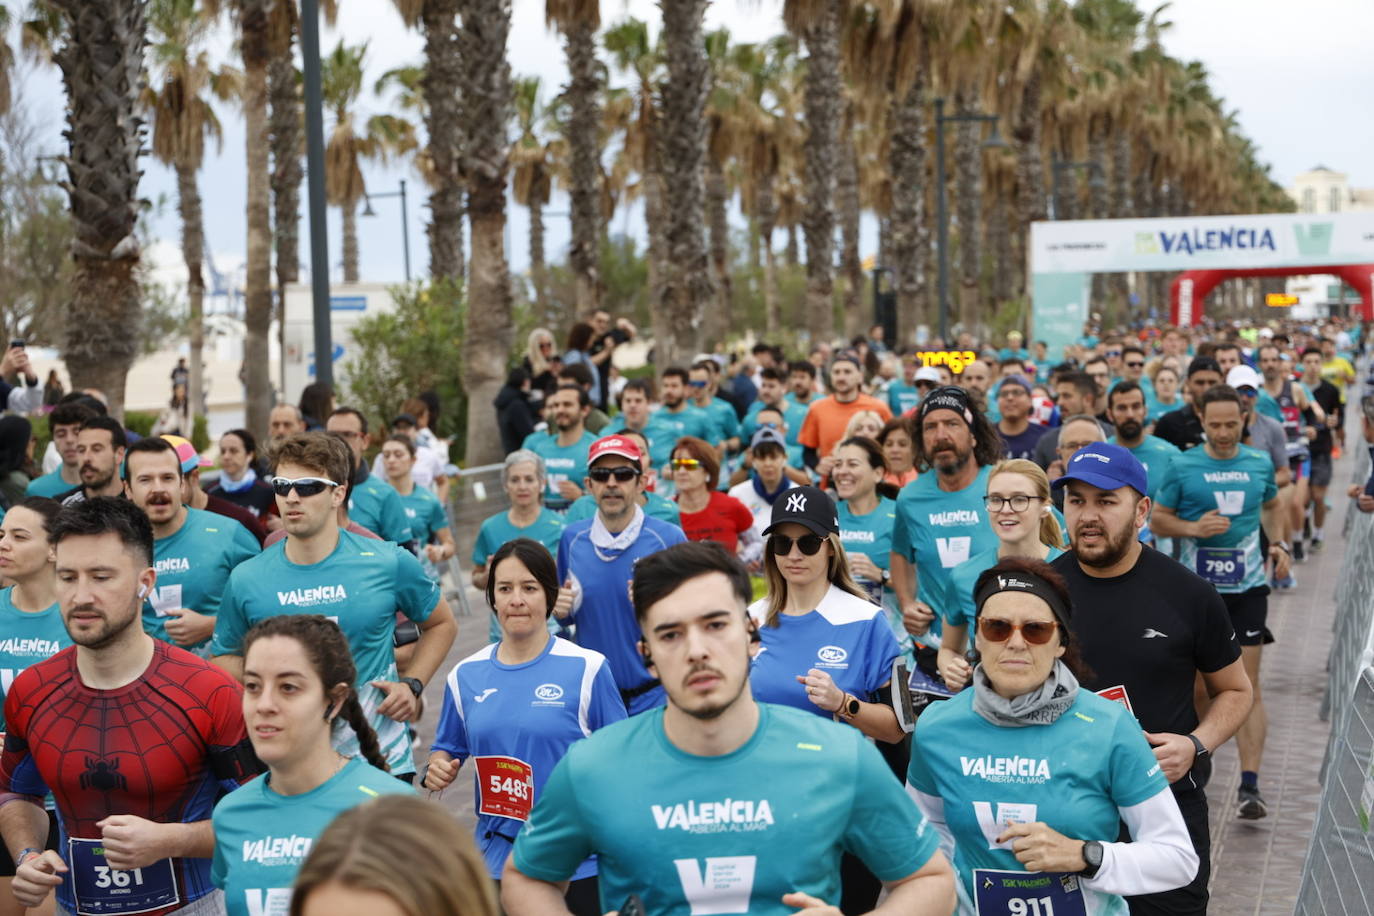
(159, 748)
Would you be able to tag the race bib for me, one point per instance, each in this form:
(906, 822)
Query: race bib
(506, 787)
(165, 599)
(1117, 694)
(101, 890)
(1027, 893)
(874, 590)
(1221, 565)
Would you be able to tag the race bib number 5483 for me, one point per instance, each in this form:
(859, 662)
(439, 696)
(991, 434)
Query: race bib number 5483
(506, 786)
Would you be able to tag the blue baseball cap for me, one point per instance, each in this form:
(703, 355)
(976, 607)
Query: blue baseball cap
(1107, 467)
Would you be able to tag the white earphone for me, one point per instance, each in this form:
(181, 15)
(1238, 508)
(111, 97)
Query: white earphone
(143, 591)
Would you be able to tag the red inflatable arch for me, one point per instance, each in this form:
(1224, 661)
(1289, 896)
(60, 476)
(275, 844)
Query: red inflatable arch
(1188, 293)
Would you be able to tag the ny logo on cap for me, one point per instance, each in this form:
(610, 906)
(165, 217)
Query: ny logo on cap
(796, 502)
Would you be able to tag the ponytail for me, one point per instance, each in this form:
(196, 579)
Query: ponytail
(1051, 534)
(352, 713)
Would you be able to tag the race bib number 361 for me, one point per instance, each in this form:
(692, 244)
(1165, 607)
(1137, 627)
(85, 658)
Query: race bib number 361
(101, 889)
(506, 787)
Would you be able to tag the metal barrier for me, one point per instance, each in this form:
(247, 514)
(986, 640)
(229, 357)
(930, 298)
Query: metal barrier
(474, 494)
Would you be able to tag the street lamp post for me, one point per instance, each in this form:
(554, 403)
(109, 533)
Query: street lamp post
(314, 157)
(941, 205)
(405, 221)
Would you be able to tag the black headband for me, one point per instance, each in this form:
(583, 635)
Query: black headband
(947, 397)
(991, 583)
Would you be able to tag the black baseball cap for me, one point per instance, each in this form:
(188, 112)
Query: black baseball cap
(809, 507)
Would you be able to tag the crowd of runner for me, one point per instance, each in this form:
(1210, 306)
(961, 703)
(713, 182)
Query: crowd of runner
(863, 630)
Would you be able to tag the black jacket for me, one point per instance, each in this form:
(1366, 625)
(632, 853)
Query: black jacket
(514, 417)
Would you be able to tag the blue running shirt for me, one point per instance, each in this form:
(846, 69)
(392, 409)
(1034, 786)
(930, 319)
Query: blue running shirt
(262, 838)
(25, 639)
(360, 586)
(1073, 775)
(193, 566)
(1239, 487)
(516, 722)
(846, 637)
(727, 834)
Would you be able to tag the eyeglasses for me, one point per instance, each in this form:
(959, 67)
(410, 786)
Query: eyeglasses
(810, 544)
(1135, 365)
(1035, 632)
(304, 486)
(1019, 503)
(621, 474)
(685, 464)
(1113, 353)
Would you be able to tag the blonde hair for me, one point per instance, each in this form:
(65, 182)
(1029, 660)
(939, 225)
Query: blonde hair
(538, 364)
(409, 849)
(854, 421)
(836, 570)
(1051, 535)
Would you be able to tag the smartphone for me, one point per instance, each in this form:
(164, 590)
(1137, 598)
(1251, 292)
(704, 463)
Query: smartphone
(17, 342)
(632, 906)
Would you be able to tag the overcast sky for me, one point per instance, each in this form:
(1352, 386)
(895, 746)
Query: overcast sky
(1298, 74)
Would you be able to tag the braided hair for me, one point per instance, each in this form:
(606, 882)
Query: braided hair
(326, 648)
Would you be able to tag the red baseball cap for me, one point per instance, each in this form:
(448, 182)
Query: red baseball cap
(614, 445)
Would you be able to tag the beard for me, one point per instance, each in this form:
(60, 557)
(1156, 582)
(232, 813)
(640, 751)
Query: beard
(1117, 545)
(951, 461)
(714, 710)
(108, 631)
(1129, 429)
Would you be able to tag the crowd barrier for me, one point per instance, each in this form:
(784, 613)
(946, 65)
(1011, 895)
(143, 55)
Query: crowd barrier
(1338, 874)
(474, 494)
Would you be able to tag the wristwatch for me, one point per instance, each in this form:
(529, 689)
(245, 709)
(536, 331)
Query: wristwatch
(416, 685)
(849, 708)
(1199, 749)
(1092, 858)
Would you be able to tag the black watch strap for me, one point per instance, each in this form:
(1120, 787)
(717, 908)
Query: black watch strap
(1199, 749)
(1092, 858)
(416, 686)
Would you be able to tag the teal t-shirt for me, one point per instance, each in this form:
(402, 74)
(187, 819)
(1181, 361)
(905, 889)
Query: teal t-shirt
(49, 485)
(724, 419)
(262, 838)
(727, 834)
(655, 506)
(1238, 487)
(937, 530)
(424, 512)
(1073, 774)
(193, 567)
(1156, 455)
(690, 421)
(902, 397)
(377, 507)
(360, 586)
(793, 414)
(561, 462)
(497, 530)
(26, 639)
(871, 535)
(956, 605)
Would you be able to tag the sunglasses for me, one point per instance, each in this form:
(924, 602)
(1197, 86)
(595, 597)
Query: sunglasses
(810, 544)
(1035, 632)
(1136, 365)
(685, 464)
(621, 474)
(697, 384)
(304, 486)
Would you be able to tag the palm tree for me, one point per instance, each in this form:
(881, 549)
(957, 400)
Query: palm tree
(722, 126)
(687, 285)
(486, 112)
(817, 23)
(578, 20)
(848, 208)
(255, 48)
(6, 60)
(533, 158)
(101, 59)
(286, 128)
(182, 119)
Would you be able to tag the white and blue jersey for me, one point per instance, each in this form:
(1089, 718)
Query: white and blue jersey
(605, 616)
(724, 834)
(25, 639)
(516, 722)
(845, 636)
(1238, 488)
(1074, 774)
(360, 586)
(193, 566)
(262, 838)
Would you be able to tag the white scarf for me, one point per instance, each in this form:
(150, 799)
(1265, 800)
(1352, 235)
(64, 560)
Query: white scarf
(610, 546)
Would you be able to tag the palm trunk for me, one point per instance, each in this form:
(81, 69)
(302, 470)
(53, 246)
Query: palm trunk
(1098, 204)
(192, 244)
(1004, 265)
(1030, 170)
(539, 272)
(443, 88)
(258, 282)
(848, 206)
(584, 125)
(102, 68)
(487, 104)
(717, 192)
(768, 217)
(349, 212)
(286, 121)
(687, 284)
(910, 237)
(822, 106)
(657, 269)
(1120, 206)
(968, 169)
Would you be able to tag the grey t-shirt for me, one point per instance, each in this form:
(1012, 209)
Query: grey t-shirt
(1267, 435)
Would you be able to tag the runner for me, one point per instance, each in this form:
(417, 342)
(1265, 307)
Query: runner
(360, 583)
(1023, 519)
(655, 505)
(693, 825)
(238, 477)
(899, 452)
(702, 382)
(1081, 767)
(902, 394)
(193, 551)
(1215, 499)
(371, 503)
(802, 384)
(828, 417)
(1075, 393)
(516, 707)
(1182, 428)
(707, 513)
(132, 736)
(1147, 626)
(676, 418)
(1286, 401)
(424, 512)
(64, 423)
(100, 447)
(1164, 381)
(773, 395)
(1018, 434)
(766, 482)
(939, 517)
(1339, 371)
(1328, 397)
(596, 560)
(283, 421)
(1127, 407)
(297, 686)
